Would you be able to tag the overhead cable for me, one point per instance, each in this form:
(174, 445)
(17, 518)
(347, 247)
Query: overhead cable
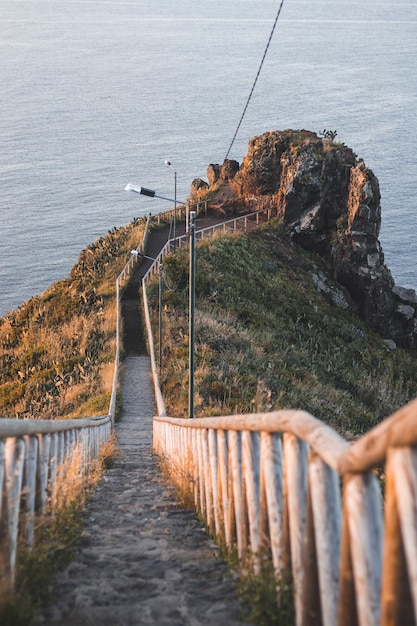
(256, 79)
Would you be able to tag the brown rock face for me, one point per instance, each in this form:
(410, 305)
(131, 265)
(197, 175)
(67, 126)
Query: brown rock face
(222, 173)
(330, 203)
(198, 185)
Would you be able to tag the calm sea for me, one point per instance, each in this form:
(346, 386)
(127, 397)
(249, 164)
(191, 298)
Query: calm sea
(97, 93)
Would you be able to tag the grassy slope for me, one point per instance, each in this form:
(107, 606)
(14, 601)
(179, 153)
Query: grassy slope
(267, 339)
(57, 350)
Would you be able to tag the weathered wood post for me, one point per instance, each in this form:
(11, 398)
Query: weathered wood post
(236, 463)
(363, 508)
(272, 484)
(295, 475)
(399, 585)
(326, 506)
(251, 475)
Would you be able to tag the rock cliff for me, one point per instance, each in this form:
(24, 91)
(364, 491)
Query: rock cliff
(330, 203)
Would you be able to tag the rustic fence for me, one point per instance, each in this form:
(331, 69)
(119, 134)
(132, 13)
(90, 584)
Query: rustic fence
(341, 519)
(38, 458)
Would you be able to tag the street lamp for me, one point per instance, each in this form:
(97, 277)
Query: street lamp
(169, 164)
(191, 231)
(160, 267)
(191, 320)
(146, 192)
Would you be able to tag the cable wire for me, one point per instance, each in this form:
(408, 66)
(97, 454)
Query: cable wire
(256, 79)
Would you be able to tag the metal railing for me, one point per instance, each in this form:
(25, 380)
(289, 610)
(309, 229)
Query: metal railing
(236, 224)
(287, 486)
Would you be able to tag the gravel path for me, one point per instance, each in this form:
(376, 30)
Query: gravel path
(142, 558)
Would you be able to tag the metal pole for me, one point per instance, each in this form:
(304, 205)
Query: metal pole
(175, 210)
(160, 316)
(191, 315)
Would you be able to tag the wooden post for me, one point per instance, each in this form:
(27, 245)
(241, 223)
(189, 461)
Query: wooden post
(195, 468)
(14, 454)
(235, 455)
(208, 487)
(214, 470)
(223, 474)
(43, 471)
(347, 609)
(272, 484)
(326, 505)
(29, 485)
(53, 464)
(364, 509)
(311, 608)
(295, 473)
(251, 474)
(201, 477)
(399, 597)
(396, 604)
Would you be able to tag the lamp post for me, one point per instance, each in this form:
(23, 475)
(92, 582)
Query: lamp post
(160, 268)
(191, 316)
(169, 164)
(144, 191)
(191, 231)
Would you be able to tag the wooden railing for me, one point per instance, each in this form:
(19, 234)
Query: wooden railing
(287, 486)
(340, 518)
(37, 456)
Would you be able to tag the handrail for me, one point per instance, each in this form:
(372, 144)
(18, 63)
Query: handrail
(282, 484)
(239, 223)
(160, 405)
(344, 554)
(325, 441)
(36, 454)
(372, 448)
(287, 485)
(11, 427)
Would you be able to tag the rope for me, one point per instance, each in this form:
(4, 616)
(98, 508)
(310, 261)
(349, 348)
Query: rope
(256, 79)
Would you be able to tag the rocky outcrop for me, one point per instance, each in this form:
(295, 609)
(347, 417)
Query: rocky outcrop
(222, 173)
(197, 186)
(329, 202)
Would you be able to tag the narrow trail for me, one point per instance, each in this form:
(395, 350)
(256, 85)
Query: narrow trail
(133, 340)
(142, 558)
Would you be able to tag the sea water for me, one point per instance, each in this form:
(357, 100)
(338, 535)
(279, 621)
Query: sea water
(98, 93)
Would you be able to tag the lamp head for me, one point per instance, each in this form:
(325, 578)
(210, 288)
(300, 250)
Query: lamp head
(142, 190)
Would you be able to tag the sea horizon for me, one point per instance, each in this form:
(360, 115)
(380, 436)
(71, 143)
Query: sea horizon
(100, 93)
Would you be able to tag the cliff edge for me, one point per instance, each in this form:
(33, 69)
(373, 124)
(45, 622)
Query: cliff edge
(330, 203)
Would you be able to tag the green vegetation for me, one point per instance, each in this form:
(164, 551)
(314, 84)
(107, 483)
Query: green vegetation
(56, 538)
(57, 350)
(267, 598)
(330, 135)
(266, 339)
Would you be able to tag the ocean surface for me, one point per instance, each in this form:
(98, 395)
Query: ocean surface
(98, 93)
